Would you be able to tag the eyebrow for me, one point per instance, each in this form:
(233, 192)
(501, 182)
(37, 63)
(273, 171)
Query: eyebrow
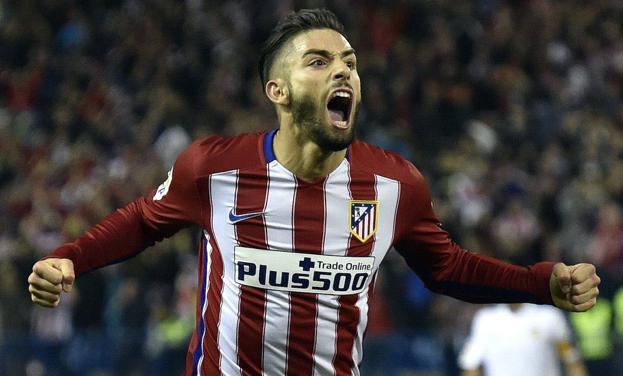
(328, 54)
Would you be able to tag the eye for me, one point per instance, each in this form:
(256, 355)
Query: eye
(351, 64)
(317, 62)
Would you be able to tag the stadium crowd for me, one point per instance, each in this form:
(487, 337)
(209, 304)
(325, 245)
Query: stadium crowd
(512, 109)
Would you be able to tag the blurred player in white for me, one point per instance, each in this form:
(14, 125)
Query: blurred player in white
(522, 340)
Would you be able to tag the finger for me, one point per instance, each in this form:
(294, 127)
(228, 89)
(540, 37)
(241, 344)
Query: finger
(67, 269)
(44, 295)
(42, 302)
(585, 297)
(47, 271)
(582, 272)
(563, 276)
(586, 285)
(42, 284)
(585, 306)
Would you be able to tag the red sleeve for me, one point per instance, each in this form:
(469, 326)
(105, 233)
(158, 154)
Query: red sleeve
(129, 230)
(448, 269)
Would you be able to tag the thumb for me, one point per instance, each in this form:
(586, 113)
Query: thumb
(66, 267)
(562, 274)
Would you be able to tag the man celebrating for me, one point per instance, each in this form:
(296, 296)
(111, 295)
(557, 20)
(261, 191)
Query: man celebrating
(296, 223)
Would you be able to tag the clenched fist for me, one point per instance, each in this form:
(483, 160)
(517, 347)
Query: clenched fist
(574, 288)
(48, 279)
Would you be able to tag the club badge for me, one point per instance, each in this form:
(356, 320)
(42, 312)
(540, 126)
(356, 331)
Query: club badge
(363, 219)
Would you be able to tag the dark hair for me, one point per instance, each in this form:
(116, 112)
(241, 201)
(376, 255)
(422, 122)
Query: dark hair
(290, 26)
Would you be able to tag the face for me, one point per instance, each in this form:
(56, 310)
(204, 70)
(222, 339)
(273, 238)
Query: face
(324, 87)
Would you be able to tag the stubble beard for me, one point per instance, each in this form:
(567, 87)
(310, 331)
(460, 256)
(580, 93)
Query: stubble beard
(306, 116)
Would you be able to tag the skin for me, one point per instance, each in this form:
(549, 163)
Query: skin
(310, 66)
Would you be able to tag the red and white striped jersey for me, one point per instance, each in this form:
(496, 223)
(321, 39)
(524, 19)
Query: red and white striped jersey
(287, 267)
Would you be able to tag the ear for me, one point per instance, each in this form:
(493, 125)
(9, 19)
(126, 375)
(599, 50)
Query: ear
(277, 91)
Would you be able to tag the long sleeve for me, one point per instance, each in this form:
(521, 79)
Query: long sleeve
(128, 231)
(448, 269)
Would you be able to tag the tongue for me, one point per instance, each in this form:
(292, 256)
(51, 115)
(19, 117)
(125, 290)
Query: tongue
(337, 115)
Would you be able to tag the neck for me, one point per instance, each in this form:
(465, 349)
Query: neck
(515, 306)
(302, 156)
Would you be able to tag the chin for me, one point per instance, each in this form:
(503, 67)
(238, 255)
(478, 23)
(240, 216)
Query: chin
(328, 139)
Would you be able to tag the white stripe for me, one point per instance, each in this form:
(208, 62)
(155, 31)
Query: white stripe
(206, 275)
(362, 304)
(279, 236)
(336, 235)
(222, 199)
(387, 191)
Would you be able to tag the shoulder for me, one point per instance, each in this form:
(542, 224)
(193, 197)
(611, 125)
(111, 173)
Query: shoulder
(490, 312)
(214, 154)
(486, 318)
(371, 158)
(547, 313)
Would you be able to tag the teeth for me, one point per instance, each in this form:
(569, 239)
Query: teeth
(341, 123)
(344, 94)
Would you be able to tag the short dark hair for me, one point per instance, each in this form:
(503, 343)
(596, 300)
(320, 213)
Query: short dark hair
(290, 26)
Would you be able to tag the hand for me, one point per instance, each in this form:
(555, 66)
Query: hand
(574, 287)
(48, 278)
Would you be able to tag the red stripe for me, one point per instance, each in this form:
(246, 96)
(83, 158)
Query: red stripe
(194, 341)
(309, 217)
(251, 198)
(212, 357)
(362, 187)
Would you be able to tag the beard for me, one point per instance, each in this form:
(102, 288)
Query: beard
(308, 116)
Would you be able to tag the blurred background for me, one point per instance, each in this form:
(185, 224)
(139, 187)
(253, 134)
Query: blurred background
(512, 109)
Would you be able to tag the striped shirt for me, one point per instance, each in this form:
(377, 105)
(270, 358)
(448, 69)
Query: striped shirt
(287, 267)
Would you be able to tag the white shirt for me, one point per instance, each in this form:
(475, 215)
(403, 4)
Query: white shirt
(522, 342)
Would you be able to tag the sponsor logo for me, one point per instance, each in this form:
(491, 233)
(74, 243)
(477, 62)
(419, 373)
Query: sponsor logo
(363, 219)
(302, 272)
(163, 189)
(233, 218)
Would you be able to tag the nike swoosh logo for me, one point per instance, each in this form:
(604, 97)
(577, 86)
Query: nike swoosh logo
(233, 218)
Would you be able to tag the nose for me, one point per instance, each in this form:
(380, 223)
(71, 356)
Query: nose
(341, 72)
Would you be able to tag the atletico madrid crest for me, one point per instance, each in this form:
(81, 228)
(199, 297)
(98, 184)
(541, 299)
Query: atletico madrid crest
(363, 219)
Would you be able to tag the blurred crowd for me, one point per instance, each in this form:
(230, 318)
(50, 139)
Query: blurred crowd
(512, 109)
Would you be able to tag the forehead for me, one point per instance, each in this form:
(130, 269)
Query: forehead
(319, 39)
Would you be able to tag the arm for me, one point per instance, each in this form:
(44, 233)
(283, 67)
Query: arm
(122, 234)
(571, 359)
(448, 269)
(568, 353)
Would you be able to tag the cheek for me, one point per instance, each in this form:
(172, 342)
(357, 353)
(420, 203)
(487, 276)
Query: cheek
(307, 81)
(357, 86)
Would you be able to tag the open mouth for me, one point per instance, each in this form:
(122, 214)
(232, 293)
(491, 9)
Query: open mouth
(339, 108)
